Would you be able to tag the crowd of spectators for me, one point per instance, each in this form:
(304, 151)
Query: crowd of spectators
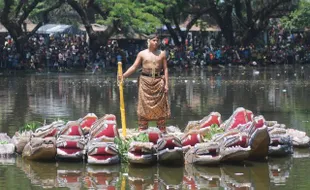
(61, 53)
(64, 52)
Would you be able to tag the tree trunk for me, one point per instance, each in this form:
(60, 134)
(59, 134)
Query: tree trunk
(15, 25)
(17, 34)
(225, 22)
(96, 39)
(228, 34)
(250, 35)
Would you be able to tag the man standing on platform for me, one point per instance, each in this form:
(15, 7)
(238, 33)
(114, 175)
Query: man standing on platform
(153, 85)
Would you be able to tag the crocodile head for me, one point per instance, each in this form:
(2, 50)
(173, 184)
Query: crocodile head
(280, 142)
(234, 146)
(102, 153)
(40, 149)
(169, 150)
(141, 153)
(207, 153)
(299, 138)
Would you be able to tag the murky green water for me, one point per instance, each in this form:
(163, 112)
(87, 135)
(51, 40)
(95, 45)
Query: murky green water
(279, 93)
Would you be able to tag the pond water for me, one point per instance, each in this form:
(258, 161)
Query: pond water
(278, 93)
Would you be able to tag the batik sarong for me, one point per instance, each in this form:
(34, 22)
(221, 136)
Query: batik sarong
(153, 101)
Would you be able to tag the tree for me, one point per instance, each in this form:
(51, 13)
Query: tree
(298, 19)
(241, 21)
(253, 17)
(172, 13)
(15, 12)
(62, 15)
(118, 15)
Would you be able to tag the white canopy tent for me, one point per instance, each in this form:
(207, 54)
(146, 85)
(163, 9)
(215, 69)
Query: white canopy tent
(58, 29)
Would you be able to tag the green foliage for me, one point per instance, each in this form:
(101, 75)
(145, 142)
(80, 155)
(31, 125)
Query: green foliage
(63, 15)
(1, 5)
(298, 19)
(142, 137)
(132, 14)
(123, 145)
(214, 129)
(32, 126)
(33, 13)
(122, 148)
(4, 142)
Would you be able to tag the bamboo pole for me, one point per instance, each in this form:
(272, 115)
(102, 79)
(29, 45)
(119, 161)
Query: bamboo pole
(121, 96)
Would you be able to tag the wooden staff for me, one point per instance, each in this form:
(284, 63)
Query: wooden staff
(121, 94)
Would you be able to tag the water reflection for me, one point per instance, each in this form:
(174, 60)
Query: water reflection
(279, 93)
(250, 175)
(7, 160)
(301, 153)
(170, 177)
(140, 178)
(70, 175)
(40, 174)
(279, 170)
(102, 177)
(201, 177)
(226, 176)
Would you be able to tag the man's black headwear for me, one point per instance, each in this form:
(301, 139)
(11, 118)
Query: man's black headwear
(152, 36)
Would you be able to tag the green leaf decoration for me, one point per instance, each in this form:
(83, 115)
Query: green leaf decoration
(123, 145)
(214, 129)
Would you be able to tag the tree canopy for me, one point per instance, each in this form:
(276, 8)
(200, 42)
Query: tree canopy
(299, 18)
(240, 21)
(14, 14)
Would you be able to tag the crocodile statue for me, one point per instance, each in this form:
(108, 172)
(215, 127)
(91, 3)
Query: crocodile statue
(20, 139)
(169, 150)
(259, 143)
(230, 146)
(42, 144)
(244, 121)
(299, 138)
(87, 122)
(212, 118)
(280, 142)
(40, 149)
(70, 147)
(71, 142)
(143, 151)
(101, 148)
(7, 148)
(239, 117)
(234, 146)
(207, 153)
